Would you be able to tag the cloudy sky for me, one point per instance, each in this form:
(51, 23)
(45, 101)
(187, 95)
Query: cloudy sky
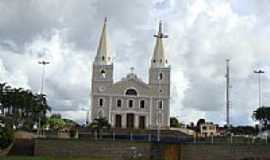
(202, 34)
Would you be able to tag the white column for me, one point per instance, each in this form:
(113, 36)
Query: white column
(92, 108)
(150, 112)
(110, 110)
(146, 121)
(112, 120)
(168, 113)
(136, 121)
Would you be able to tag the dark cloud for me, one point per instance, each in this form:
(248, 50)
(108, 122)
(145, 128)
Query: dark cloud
(202, 34)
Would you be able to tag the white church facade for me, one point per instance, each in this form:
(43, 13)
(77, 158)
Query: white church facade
(131, 102)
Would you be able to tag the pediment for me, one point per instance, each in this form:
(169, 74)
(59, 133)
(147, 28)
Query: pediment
(131, 81)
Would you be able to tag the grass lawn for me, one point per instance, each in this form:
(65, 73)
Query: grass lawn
(51, 158)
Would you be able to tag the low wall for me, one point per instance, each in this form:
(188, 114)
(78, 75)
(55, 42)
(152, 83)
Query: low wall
(80, 148)
(124, 150)
(224, 152)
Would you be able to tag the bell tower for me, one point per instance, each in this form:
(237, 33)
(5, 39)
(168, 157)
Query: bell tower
(102, 77)
(159, 80)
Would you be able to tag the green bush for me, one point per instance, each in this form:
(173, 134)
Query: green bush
(6, 137)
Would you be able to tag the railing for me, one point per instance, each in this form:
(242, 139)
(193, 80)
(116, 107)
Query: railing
(170, 137)
(143, 136)
(230, 140)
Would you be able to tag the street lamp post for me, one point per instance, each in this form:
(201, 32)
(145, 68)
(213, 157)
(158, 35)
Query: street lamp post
(43, 63)
(259, 72)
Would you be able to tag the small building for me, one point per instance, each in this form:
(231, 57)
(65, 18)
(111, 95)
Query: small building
(208, 129)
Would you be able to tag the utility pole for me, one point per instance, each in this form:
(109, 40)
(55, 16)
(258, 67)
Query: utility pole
(259, 72)
(228, 93)
(87, 118)
(43, 63)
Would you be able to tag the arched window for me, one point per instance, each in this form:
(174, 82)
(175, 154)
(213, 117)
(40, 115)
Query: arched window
(142, 104)
(103, 58)
(130, 103)
(160, 104)
(101, 102)
(119, 103)
(131, 92)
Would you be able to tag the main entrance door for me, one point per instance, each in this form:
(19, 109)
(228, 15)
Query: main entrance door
(118, 121)
(142, 122)
(130, 120)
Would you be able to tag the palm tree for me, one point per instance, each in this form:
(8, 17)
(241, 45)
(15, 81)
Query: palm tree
(23, 107)
(262, 114)
(6, 96)
(99, 125)
(2, 90)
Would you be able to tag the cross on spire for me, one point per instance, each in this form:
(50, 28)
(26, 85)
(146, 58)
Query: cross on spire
(159, 59)
(160, 34)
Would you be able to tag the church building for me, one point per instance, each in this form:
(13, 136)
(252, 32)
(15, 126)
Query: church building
(131, 102)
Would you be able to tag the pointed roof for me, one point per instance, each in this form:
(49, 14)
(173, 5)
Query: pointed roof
(103, 56)
(159, 59)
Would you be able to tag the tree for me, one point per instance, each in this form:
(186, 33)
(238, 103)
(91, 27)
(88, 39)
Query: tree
(23, 107)
(174, 122)
(243, 130)
(199, 123)
(72, 126)
(55, 122)
(2, 89)
(191, 126)
(99, 125)
(262, 114)
(6, 136)
(57, 116)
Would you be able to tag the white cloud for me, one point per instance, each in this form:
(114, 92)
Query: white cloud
(202, 34)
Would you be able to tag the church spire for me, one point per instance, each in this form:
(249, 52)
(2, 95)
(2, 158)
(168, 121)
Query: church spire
(159, 59)
(103, 56)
